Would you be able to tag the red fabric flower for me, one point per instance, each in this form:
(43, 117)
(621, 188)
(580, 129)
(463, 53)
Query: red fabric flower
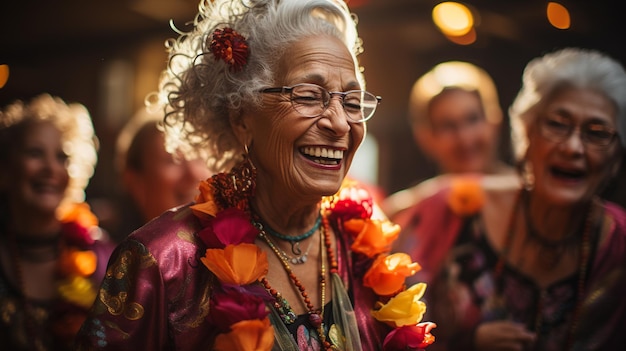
(230, 47)
(231, 226)
(412, 337)
(76, 234)
(352, 201)
(232, 306)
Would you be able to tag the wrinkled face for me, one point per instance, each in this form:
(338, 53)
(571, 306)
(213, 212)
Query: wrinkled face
(306, 157)
(573, 170)
(39, 175)
(163, 182)
(461, 139)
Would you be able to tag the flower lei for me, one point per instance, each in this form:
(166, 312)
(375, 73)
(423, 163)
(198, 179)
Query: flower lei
(75, 265)
(237, 309)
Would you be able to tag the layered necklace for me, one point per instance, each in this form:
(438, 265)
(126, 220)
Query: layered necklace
(316, 315)
(299, 256)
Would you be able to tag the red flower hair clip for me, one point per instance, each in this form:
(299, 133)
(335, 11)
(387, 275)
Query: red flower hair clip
(231, 47)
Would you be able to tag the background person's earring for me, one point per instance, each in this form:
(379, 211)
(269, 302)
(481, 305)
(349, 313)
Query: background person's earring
(528, 177)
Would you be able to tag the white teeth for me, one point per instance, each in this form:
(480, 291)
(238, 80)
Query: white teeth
(323, 152)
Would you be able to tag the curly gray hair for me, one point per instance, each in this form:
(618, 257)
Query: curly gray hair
(576, 67)
(78, 138)
(200, 94)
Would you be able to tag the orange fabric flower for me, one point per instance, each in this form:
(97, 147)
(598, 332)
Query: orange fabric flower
(247, 335)
(372, 236)
(79, 213)
(466, 196)
(387, 274)
(205, 206)
(77, 262)
(240, 264)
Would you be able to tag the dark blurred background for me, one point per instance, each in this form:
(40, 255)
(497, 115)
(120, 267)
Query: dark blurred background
(107, 54)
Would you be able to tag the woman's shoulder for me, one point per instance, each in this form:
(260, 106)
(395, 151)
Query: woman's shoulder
(171, 232)
(616, 232)
(459, 193)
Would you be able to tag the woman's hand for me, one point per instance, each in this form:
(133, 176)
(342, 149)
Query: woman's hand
(502, 336)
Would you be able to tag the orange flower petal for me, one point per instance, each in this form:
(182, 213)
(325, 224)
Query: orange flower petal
(466, 196)
(375, 237)
(247, 335)
(240, 264)
(205, 210)
(78, 212)
(76, 262)
(388, 273)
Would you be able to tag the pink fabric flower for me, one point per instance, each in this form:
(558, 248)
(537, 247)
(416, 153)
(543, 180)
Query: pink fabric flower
(230, 226)
(233, 305)
(412, 337)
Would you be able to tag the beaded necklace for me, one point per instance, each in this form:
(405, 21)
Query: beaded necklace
(587, 245)
(316, 316)
(293, 240)
(299, 259)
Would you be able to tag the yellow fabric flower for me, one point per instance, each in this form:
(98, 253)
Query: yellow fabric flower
(78, 290)
(372, 236)
(247, 335)
(387, 274)
(240, 264)
(403, 309)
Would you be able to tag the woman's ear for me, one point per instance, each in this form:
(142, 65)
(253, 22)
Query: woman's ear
(240, 124)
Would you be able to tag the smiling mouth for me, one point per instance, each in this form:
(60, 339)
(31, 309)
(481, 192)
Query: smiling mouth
(322, 155)
(567, 174)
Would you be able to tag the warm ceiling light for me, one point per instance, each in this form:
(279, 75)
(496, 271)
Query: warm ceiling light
(4, 75)
(453, 18)
(558, 16)
(466, 39)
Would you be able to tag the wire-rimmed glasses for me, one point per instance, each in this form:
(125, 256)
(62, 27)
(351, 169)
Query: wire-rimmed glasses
(311, 100)
(560, 128)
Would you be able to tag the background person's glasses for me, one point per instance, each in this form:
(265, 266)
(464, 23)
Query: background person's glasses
(560, 128)
(311, 100)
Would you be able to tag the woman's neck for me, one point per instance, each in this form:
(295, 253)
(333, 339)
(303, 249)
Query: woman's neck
(552, 222)
(291, 219)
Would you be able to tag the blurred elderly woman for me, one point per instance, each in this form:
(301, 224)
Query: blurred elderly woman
(456, 119)
(536, 262)
(275, 254)
(52, 252)
(153, 179)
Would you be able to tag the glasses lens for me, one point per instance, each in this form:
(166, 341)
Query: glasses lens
(560, 128)
(598, 134)
(359, 105)
(308, 99)
(556, 129)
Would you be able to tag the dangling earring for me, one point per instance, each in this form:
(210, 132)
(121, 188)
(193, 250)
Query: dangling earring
(528, 177)
(244, 175)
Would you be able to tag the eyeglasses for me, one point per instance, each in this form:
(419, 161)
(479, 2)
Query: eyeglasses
(560, 128)
(311, 100)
